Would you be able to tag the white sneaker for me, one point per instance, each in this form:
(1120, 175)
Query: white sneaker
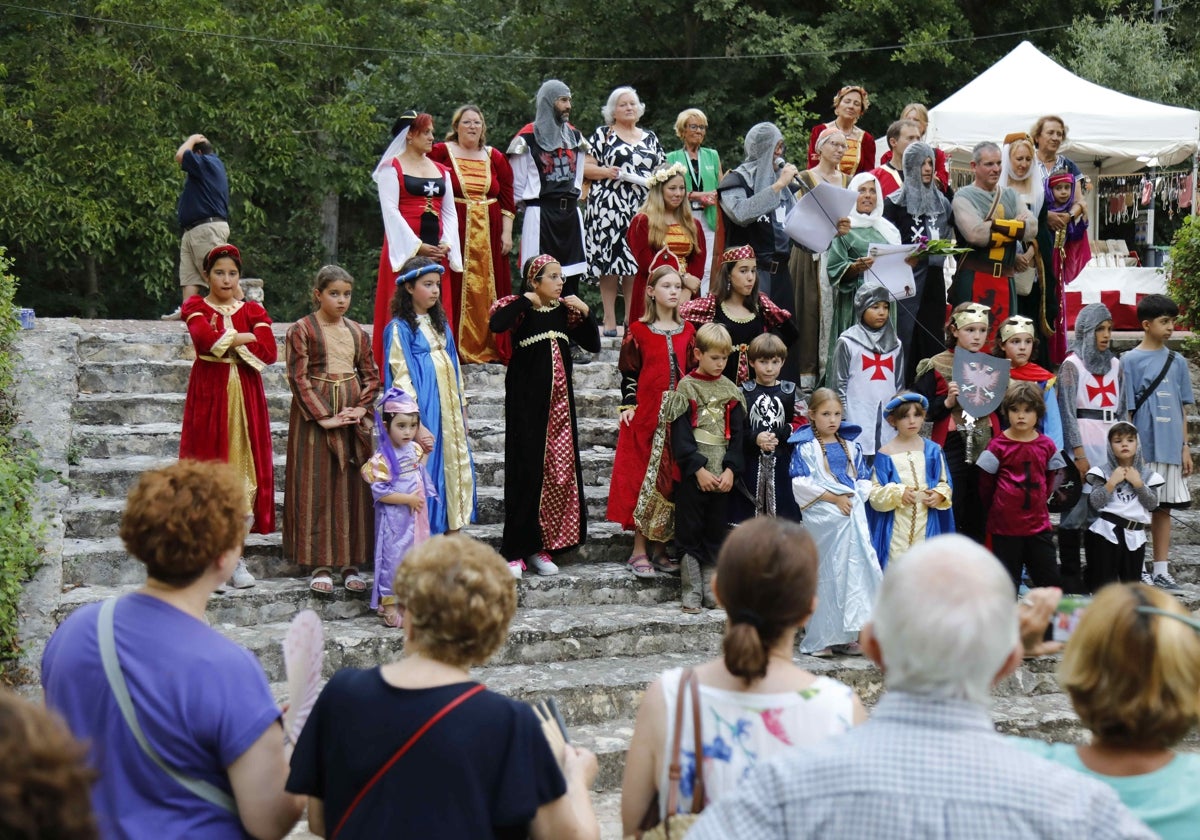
(1146, 579)
(177, 315)
(517, 567)
(242, 579)
(1167, 583)
(543, 565)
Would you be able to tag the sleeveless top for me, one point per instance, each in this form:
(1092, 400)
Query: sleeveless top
(740, 729)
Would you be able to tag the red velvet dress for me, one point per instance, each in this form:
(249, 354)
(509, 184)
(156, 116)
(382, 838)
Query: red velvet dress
(421, 208)
(639, 244)
(225, 414)
(483, 194)
(651, 363)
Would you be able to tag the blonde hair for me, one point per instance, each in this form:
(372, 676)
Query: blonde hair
(651, 313)
(686, 116)
(714, 338)
(1134, 679)
(658, 219)
(821, 396)
(922, 111)
(452, 134)
(458, 596)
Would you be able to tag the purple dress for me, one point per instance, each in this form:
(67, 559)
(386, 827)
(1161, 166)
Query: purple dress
(397, 531)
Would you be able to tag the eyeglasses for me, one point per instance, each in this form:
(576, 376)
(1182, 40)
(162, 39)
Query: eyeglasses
(470, 122)
(841, 147)
(694, 127)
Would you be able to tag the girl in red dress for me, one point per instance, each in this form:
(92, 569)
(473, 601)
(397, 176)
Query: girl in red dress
(665, 223)
(225, 413)
(654, 357)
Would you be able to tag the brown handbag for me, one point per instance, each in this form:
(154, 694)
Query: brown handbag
(677, 825)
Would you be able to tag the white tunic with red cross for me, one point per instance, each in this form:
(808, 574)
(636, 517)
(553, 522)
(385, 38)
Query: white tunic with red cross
(1097, 393)
(870, 383)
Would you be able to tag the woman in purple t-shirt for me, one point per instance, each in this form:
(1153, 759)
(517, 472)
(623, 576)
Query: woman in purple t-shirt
(202, 701)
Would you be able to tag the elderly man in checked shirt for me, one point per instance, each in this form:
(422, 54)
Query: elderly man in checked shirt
(928, 764)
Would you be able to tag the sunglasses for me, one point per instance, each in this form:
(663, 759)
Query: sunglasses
(1188, 620)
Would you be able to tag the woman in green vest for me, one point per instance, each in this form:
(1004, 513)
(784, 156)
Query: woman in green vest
(702, 172)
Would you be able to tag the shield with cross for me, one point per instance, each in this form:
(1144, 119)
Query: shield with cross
(982, 381)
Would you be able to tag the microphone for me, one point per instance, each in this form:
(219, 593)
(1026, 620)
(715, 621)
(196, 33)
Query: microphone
(779, 164)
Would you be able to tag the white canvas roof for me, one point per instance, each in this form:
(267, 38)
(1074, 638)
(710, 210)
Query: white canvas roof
(1109, 132)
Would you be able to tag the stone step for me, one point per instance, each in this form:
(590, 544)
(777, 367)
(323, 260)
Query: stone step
(153, 342)
(279, 599)
(161, 441)
(95, 510)
(104, 561)
(486, 432)
(113, 475)
(537, 636)
(171, 377)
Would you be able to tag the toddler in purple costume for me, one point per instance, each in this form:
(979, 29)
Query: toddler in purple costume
(400, 485)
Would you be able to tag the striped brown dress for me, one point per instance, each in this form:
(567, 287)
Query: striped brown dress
(328, 517)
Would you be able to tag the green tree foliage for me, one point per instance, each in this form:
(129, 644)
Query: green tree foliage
(20, 551)
(297, 96)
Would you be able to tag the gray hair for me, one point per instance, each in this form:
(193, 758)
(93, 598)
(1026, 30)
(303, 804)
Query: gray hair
(946, 620)
(609, 110)
(980, 148)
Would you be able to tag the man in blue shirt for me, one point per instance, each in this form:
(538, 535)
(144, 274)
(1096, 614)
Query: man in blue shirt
(203, 212)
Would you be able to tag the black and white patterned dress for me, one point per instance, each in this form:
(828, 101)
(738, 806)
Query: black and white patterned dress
(612, 204)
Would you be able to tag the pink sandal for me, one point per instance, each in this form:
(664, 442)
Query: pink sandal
(641, 566)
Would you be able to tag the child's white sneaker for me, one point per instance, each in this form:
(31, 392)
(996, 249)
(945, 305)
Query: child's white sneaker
(1147, 579)
(517, 567)
(543, 565)
(242, 579)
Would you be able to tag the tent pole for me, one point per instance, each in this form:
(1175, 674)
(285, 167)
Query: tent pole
(1151, 254)
(1195, 186)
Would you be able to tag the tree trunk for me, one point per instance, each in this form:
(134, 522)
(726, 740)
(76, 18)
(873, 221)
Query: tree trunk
(91, 291)
(329, 226)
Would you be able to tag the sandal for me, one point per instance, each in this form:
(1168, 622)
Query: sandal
(390, 615)
(641, 567)
(321, 581)
(353, 581)
(665, 564)
(823, 653)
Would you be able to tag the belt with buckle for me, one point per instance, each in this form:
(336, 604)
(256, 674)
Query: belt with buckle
(996, 269)
(203, 221)
(1122, 522)
(1108, 415)
(561, 203)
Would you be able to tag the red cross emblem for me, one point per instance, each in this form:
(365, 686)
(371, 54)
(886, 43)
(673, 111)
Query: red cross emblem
(879, 362)
(1107, 391)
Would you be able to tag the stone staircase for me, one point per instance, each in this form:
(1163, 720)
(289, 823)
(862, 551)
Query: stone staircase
(104, 402)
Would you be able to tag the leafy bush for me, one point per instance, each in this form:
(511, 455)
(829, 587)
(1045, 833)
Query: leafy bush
(19, 536)
(1183, 276)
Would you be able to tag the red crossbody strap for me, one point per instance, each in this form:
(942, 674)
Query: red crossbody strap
(416, 736)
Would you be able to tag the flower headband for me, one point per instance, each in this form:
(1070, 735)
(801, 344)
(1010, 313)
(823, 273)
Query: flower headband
(903, 399)
(413, 274)
(741, 252)
(976, 313)
(1016, 325)
(666, 173)
(536, 265)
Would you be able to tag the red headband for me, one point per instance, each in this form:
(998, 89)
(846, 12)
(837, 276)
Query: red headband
(535, 267)
(223, 251)
(1062, 178)
(742, 252)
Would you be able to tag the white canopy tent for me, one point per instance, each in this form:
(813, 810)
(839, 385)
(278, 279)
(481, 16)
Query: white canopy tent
(1109, 133)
